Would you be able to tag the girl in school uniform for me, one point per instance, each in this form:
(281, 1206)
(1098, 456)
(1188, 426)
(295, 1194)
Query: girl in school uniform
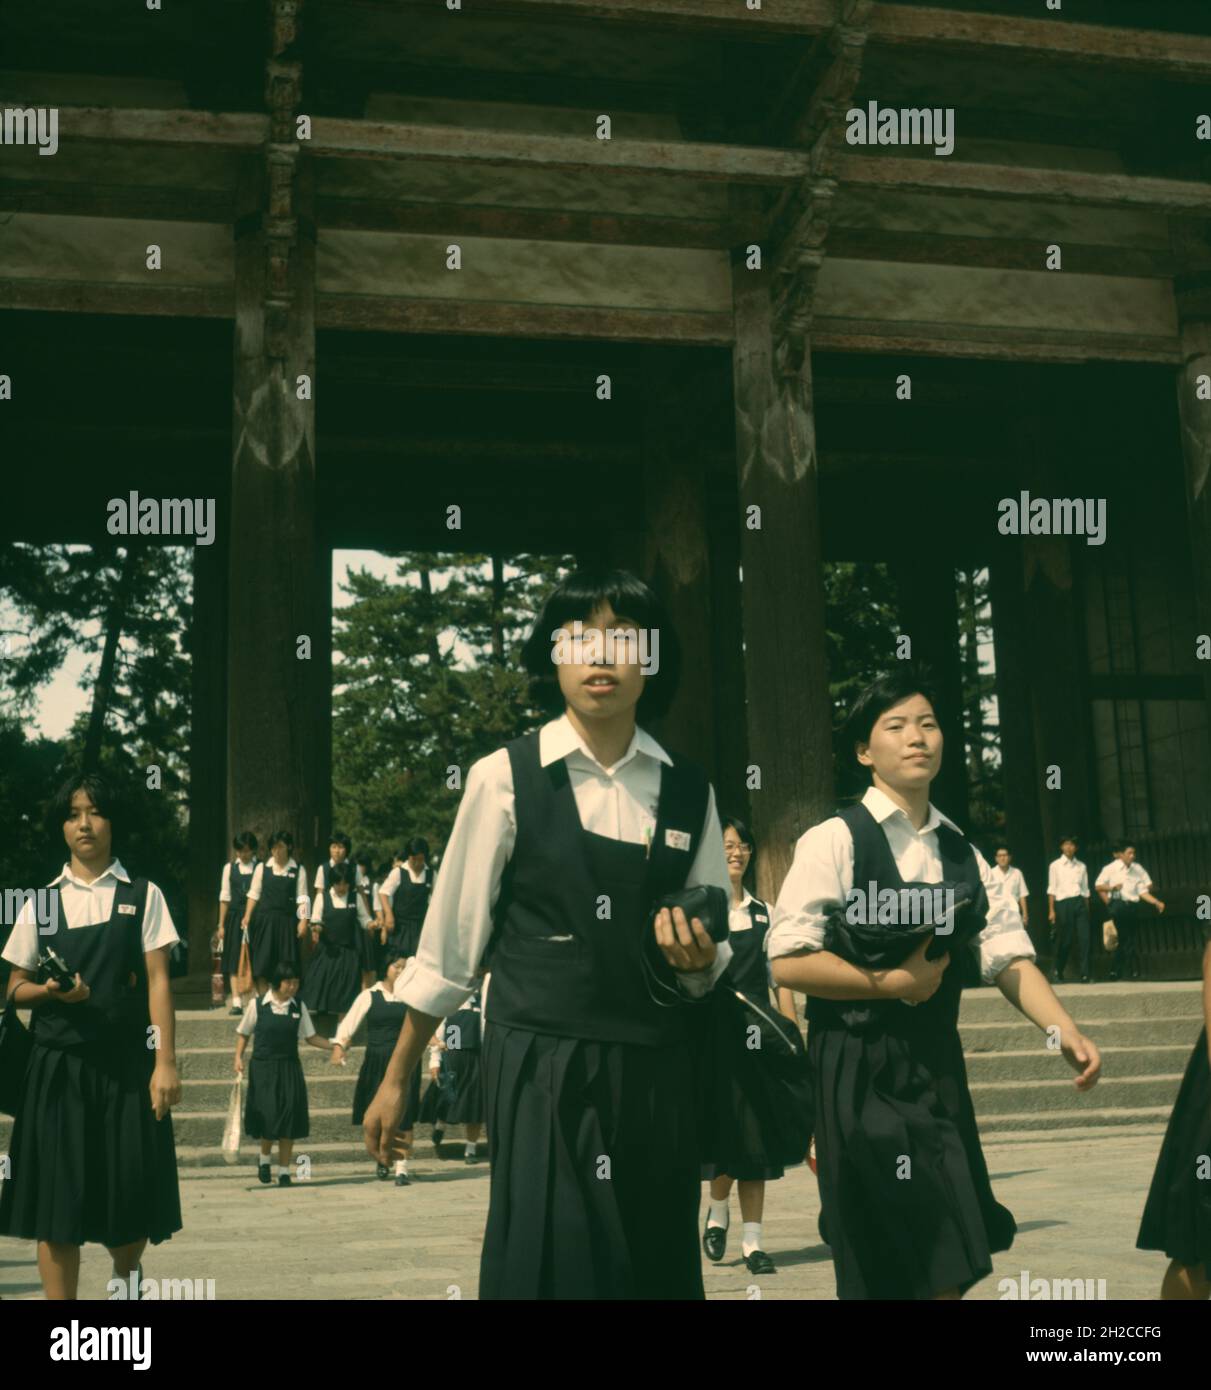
(276, 1106)
(1177, 1214)
(563, 840)
(405, 897)
(368, 937)
(233, 895)
(457, 1075)
(741, 1151)
(277, 908)
(378, 937)
(338, 916)
(906, 1202)
(92, 1152)
(384, 1018)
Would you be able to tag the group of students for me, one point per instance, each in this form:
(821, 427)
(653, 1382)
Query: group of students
(574, 856)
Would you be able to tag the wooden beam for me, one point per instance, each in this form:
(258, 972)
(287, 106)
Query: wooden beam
(87, 297)
(60, 199)
(1068, 186)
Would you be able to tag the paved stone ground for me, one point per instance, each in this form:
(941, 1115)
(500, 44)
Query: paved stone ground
(347, 1235)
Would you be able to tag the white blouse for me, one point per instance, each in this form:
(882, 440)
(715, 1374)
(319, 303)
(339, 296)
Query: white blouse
(302, 897)
(353, 899)
(358, 1011)
(279, 1006)
(246, 871)
(822, 875)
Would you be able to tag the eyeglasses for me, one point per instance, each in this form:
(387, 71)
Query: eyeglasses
(737, 849)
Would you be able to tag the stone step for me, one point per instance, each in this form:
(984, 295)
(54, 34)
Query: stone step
(1058, 1133)
(1038, 1097)
(215, 1063)
(1049, 1123)
(1017, 1033)
(1041, 1064)
(204, 1128)
(1110, 1000)
(325, 1154)
(216, 1028)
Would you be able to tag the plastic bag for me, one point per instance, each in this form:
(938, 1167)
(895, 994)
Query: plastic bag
(231, 1130)
(1109, 935)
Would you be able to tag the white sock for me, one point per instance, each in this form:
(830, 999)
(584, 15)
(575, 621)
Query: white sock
(264, 1161)
(751, 1239)
(719, 1213)
(401, 1166)
(470, 1153)
(283, 1170)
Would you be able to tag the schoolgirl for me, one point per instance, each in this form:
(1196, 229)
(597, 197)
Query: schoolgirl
(906, 1201)
(405, 897)
(338, 919)
(741, 1150)
(276, 1105)
(456, 1074)
(384, 1018)
(92, 1152)
(369, 937)
(1177, 1214)
(277, 909)
(233, 895)
(564, 839)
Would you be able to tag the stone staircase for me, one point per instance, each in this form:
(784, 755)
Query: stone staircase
(1021, 1090)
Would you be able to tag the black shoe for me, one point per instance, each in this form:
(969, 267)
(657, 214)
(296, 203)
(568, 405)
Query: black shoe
(1113, 975)
(235, 1013)
(470, 1158)
(265, 1172)
(283, 1179)
(1084, 979)
(714, 1242)
(1056, 978)
(402, 1180)
(760, 1263)
(382, 1171)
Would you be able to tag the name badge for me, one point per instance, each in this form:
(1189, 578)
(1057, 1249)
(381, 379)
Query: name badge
(677, 839)
(126, 909)
(757, 917)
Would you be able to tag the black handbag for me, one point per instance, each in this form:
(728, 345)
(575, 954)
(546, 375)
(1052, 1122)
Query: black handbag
(16, 1044)
(711, 906)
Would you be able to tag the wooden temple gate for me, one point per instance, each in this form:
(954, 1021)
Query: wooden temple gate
(397, 259)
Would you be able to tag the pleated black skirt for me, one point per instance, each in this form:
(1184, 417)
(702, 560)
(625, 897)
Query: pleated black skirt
(333, 980)
(273, 936)
(1177, 1214)
(594, 1183)
(276, 1104)
(370, 1078)
(904, 1189)
(463, 1087)
(233, 937)
(368, 949)
(90, 1162)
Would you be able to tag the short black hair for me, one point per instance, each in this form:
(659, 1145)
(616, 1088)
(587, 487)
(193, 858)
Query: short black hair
(110, 804)
(282, 837)
(339, 873)
(398, 955)
(244, 840)
(1069, 839)
(336, 838)
(383, 870)
(283, 970)
(996, 849)
(416, 845)
(883, 693)
(1120, 845)
(579, 596)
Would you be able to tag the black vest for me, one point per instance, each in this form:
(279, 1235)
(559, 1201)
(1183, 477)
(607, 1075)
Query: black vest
(276, 1036)
(108, 957)
(410, 900)
(559, 966)
(239, 885)
(340, 923)
(747, 970)
(874, 861)
(384, 1022)
(468, 1023)
(279, 892)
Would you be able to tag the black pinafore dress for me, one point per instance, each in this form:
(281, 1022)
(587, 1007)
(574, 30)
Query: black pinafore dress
(906, 1203)
(1177, 1214)
(384, 1023)
(409, 904)
(273, 933)
(233, 935)
(590, 1088)
(334, 973)
(90, 1162)
(736, 1144)
(276, 1106)
(461, 1070)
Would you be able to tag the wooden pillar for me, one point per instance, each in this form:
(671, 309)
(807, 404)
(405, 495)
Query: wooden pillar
(929, 614)
(676, 561)
(208, 837)
(279, 671)
(1193, 293)
(731, 727)
(786, 665)
(1021, 776)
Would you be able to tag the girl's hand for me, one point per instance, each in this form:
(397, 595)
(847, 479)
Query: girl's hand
(165, 1088)
(685, 945)
(1082, 1056)
(433, 1071)
(239, 1066)
(917, 979)
(315, 936)
(338, 1055)
(219, 934)
(76, 995)
(381, 1123)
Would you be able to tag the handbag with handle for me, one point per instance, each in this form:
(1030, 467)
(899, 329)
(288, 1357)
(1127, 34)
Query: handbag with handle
(1109, 935)
(710, 905)
(242, 982)
(231, 1130)
(16, 1044)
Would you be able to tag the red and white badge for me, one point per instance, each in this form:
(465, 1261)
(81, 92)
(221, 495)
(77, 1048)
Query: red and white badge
(677, 839)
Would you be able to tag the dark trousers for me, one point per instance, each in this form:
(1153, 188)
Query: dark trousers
(1072, 920)
(1126, 919)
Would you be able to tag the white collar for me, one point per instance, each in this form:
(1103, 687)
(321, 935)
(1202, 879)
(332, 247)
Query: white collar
(882, 807)
(273, 865)
(558, 739)
(1075, 862)
(113, 870)
(267, 998)
(744, 901)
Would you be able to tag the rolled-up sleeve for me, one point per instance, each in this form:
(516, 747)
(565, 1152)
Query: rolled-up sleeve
(1004, 938)
(821, 875)
(458, 923)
